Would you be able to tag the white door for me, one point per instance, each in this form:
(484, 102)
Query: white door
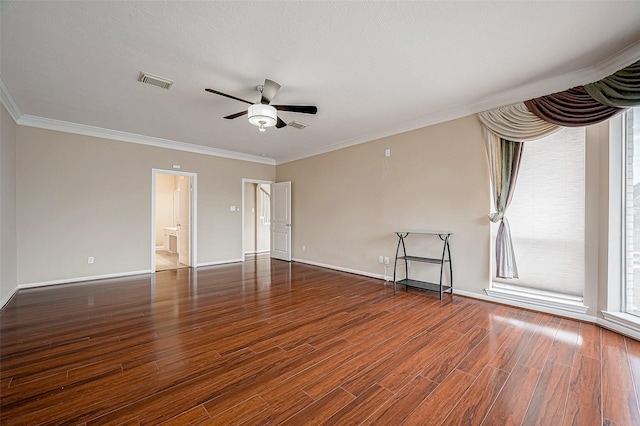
(184, 220)
(281, 221)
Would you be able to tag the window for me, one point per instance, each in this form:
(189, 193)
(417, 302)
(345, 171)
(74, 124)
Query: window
(631, 210)
(547, 219)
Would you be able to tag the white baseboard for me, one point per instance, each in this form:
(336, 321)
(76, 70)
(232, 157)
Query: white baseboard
(622, 323)
(525, 305)
(341, 269)
(220, 262)
(7, 298)
(539, 301)
(80, 279)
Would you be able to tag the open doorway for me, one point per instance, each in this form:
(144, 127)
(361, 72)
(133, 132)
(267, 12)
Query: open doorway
(173, 232)
(256, 219)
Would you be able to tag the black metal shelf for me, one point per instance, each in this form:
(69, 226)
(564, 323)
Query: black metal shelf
(423, 259)
(423, 285)
(444, 259)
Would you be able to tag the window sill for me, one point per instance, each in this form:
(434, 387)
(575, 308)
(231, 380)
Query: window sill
(536, 301)
(622, 319)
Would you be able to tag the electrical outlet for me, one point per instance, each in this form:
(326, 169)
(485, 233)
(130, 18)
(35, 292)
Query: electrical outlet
(304, 248)
(380, 259)
(387, 152)
(90, 259)
(386, 260)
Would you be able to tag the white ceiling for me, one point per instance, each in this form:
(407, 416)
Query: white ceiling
(372, 68)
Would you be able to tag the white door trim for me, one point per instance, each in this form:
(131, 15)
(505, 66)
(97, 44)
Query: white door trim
(194, 216)
(245, 181)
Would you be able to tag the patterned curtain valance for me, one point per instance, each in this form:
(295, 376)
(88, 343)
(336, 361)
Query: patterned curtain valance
(515, 122)
(571, 108)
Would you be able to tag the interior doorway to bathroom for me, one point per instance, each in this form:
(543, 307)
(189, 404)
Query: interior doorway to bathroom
(173, 233)
(256, 218)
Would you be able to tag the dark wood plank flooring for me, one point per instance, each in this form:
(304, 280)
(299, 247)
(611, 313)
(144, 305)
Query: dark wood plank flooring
(268, 342)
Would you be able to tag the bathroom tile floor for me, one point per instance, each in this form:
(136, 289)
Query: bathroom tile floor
(166, 261)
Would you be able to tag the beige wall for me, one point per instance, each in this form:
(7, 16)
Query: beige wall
(82, 196)
(8, 241)
(347, 203)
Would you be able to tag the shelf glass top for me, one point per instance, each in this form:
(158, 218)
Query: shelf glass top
(424, 232)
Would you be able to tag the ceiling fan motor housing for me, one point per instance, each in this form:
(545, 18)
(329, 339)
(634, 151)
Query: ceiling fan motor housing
(262, 115)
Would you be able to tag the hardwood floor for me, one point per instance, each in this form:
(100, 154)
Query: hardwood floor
(268, 342)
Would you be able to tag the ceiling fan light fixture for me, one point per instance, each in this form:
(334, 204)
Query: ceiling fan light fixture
(262, 115)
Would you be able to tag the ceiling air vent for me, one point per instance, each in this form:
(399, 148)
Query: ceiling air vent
(154, 80)
(297, 125)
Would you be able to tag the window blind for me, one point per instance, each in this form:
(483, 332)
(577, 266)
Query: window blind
(547, 215)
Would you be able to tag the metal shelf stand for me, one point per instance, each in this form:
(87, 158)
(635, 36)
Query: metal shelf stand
(444, 259)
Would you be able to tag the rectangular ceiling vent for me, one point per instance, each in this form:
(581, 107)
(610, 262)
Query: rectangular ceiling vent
(297, 125)
(155, 80)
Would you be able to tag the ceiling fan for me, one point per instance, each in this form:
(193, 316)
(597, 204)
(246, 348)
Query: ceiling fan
(262, 114)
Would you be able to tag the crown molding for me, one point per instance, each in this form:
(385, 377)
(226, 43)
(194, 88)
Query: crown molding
(518, 94)
(405, 126)
(7, 101)
(99, 132)
(615, 62)
(82, 129)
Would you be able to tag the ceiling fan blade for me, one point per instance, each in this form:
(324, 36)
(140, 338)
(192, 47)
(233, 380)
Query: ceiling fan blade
(269, 91)
(280, 124)
(228, 96)
(305, 109)
(236, 115)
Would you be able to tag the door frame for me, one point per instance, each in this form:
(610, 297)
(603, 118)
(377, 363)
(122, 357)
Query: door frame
(194, 214)
(245, 181)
